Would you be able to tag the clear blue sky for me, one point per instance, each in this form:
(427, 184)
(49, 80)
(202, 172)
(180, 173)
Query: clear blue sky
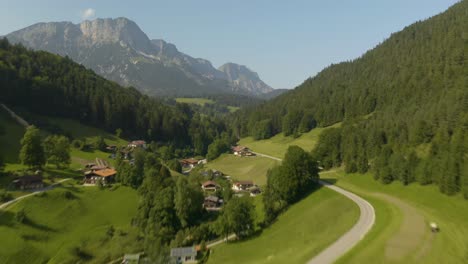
(284, 41)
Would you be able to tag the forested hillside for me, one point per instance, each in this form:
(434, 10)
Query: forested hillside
(404, 105)
(47, 84)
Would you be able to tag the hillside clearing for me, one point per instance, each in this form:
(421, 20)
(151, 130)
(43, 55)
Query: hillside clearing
(277, 145)
(197, 101)
(243, 168)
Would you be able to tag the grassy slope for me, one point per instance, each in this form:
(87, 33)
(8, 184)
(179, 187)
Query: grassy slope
(243, 168)
(450, 213)
(277, 145)
(57, 224)
(300, 233)
(197, 101)
(10, 140)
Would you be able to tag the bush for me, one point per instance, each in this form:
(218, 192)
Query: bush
(5, 196)
(20, 216)
(68, 195)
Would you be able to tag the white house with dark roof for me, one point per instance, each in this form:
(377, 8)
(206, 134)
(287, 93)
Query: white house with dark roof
(184, 255)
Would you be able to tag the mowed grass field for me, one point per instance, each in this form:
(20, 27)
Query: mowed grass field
(243, 168)
(197, 101)
(403, 213)
(278, 145)
(56, 226)
(301, 232)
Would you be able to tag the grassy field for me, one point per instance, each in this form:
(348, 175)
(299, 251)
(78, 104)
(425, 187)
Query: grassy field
(277, 145)
(300, 233)
(56, 226)
(401, 233)
(197, 101)
(243, 168)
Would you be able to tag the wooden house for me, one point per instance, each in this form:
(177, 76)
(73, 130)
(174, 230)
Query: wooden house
(242, 185)
(212, 203)
(242, 151)
(28, 182)
(210, 186)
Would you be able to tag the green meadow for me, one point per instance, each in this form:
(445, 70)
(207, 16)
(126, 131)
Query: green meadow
(243, 168)
(73, 228)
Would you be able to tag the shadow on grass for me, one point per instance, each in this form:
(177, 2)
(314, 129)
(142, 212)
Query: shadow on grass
(35, 237)
(71, 188)
(7, 218)
(35, 225)
(329, 180)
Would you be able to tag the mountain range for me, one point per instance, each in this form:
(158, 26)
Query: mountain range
(119, 50)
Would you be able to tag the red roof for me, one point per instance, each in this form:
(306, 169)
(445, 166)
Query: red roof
(190, 161)
(239, 148)
(208, 183)
(138, 142)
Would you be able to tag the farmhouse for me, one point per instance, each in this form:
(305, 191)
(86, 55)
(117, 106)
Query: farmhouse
(137, 144)
(28, 182)
(184, 255)
(212, 203)
(241, 151)
(106, 175)
(242, 185)
(210, 186)
(189, 163)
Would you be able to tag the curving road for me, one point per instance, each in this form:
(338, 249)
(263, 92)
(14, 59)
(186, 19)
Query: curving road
(350, 238)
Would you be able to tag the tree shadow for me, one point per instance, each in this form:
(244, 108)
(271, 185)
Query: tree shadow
(7, 218)
(329, 180)
(31, 223)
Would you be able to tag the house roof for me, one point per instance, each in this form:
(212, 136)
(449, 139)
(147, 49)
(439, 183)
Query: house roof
(182, 252)
(239, 148)
(106, 172)
(28, 179)
(244, 183)
(208, 183)
(137, 142)
(190, 161)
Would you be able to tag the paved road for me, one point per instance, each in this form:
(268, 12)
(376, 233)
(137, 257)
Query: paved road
(5, 205)
(350, 238)
(230, 237)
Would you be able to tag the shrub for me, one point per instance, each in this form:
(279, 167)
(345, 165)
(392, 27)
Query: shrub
(20, 216)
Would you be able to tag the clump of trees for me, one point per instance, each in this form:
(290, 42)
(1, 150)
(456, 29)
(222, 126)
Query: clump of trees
(289, 182)
(35, 152)
(238, 217)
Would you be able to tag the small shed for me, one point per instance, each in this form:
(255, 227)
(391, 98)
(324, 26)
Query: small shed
(434, 227)
(184, 255)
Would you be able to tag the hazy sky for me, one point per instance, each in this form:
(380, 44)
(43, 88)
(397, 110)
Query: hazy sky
(284, 41)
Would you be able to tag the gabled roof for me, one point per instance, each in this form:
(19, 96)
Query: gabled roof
(207, 183)
(106, 172)
(239, 148)
(137, 142)
(183, 252)
(244, 183)
(189, 161)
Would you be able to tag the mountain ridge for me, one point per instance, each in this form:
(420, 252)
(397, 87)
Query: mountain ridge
(117, 49)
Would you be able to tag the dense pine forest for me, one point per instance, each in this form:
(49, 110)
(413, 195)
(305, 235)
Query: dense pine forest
(403, 104)
(46, 84)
